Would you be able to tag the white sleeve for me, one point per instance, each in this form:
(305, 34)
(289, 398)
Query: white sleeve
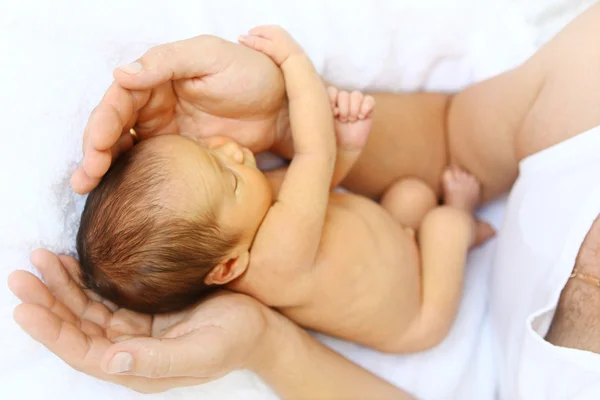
(551, 372)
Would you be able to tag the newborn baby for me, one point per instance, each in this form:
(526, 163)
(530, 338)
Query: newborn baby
(176, 218)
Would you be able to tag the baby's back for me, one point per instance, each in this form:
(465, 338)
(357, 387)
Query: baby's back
(365, 285)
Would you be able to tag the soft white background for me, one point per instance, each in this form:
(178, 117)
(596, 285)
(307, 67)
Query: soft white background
(56, 62)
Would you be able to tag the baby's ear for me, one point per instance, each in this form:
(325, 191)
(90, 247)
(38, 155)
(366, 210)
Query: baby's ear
(228, 270)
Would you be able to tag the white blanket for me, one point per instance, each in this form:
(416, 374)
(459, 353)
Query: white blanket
(57, 59)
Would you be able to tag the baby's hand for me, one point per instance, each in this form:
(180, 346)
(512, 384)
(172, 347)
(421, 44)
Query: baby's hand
(352, 112)
(273, 41)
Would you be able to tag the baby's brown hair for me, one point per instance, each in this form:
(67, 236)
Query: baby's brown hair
(138, 253)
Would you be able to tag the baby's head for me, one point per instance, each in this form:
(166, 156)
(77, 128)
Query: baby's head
(171, 220)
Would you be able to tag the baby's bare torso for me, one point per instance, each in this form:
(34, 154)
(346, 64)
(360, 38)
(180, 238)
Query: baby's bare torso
(365, 284)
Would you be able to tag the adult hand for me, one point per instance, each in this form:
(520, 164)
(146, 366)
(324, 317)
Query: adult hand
(203, 86)
(146, 353)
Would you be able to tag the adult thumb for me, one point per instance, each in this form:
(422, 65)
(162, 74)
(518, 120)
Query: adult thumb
(151, 358)
(191, 58)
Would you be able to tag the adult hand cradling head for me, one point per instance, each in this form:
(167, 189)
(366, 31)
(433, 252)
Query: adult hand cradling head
(203, 86)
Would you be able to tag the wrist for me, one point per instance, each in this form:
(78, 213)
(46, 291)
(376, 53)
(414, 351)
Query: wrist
(276, 348)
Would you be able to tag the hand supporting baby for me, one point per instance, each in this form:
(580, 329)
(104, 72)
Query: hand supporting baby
(147, 353)
(204, 86)
(224, 88)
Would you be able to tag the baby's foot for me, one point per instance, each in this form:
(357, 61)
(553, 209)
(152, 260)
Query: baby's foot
(483, 232)
(352, 112)
(461, 189)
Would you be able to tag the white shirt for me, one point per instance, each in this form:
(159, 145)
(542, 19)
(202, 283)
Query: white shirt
(549, 212)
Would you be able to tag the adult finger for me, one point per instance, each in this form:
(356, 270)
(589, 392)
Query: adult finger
(29, 289)
(102, 135)
(95, 163)
(81, 183)
(161, 358)
(111, 118)
(67, 290)
(60, 337)
(72, 268)
(190, 58)
(83, 352)
(59, 282)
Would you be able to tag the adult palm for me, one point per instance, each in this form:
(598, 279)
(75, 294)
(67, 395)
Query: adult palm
(190, 347)
(203, 86)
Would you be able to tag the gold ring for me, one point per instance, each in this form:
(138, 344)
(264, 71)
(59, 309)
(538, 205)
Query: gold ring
(134, 135)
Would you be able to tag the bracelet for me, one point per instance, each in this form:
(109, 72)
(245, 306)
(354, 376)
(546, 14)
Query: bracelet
(585, 277)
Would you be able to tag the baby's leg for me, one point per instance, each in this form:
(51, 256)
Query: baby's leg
(352, 113)
(445, 237)
(408, 201)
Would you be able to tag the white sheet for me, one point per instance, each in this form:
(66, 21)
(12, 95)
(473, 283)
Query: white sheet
(57, 59)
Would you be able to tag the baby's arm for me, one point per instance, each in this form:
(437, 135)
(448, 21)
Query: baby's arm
(353, 120)
(294, 224)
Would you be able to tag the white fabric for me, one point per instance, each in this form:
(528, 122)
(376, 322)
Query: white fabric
(57, 62)
(550, 210)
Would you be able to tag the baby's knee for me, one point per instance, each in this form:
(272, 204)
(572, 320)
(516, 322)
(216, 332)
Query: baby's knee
(410, 191)
(409, 200)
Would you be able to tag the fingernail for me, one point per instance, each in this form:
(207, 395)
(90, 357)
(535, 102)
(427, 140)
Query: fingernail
(361, 116)
(133, 68)
(121, 362)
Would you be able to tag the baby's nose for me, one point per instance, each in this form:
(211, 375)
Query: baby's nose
(233, 151)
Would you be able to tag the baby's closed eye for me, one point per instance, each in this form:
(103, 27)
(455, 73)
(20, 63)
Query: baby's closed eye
(234, 181)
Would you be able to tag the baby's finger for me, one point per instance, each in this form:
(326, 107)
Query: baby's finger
(266, 31)
(343, 103)
(332, 92)
(367, 107)
(261, 44)
(356, 98)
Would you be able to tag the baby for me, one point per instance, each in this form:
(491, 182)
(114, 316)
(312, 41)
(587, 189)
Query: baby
(176, 218)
